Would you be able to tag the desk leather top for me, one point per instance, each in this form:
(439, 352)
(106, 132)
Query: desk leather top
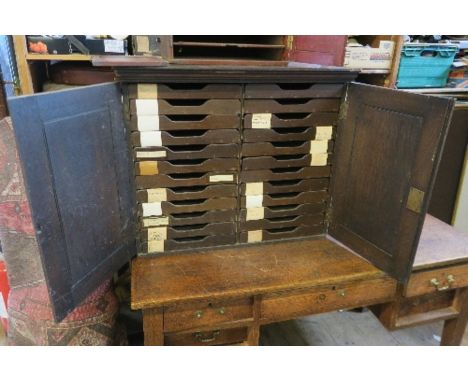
(440, 245)
(244, 271)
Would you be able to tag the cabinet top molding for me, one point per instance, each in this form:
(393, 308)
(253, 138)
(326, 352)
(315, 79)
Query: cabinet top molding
(294, 72)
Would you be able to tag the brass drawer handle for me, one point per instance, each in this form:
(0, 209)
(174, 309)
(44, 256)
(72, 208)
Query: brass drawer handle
(436, 283)
(200, 338)
(199, 314)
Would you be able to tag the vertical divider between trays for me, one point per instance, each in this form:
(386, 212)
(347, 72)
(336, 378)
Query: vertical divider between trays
(239, 155)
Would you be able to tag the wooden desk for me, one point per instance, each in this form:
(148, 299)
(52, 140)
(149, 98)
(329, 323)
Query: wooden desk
(222, 296)
(438, 286)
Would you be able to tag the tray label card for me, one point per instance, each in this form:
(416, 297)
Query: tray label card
(150, 138)
(318, 147)
(221, 178)
(323, 133)
(148, 123)
(261, 121)
(256, 213)
(155, 221)
(156, 195)
(254, 236)
(157, 234)
(147, 91)
(319, 159)
(150, 154)
(152, 209)
(253, 201)
(148, 167)
(147, 107)
(156, 246)
(254, 188)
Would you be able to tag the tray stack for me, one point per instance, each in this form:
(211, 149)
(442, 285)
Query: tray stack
(186, 148)
(287, 143)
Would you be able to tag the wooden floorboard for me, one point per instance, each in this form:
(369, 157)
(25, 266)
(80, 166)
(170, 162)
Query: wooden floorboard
(348, 328)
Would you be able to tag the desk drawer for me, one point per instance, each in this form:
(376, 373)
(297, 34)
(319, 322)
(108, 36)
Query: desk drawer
(211, 337)
(437, 280)
(277, 307)
(202, 315)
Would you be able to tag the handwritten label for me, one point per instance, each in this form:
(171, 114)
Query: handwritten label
(147, 91)
(221, 178)
(254, 236)
(148, 123)
(155, 221)
(150, 154)
(253, 201)
(152, 209)
(254, 188)
(146, 107)
(157, 234)
(256, 213)
(319, 159)
(261, 121)
(150, 138)
(156, 195)
(323, 133)
(317, 147)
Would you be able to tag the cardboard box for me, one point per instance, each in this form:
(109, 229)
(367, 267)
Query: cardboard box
(365, 57)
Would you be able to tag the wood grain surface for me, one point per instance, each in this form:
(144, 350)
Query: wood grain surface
(244, 271)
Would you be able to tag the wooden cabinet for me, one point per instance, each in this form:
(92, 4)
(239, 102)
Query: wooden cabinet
(372, 162)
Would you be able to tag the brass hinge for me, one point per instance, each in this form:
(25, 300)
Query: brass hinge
(415, 200)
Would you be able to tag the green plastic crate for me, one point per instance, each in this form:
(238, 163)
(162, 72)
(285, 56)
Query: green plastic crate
(425, 65)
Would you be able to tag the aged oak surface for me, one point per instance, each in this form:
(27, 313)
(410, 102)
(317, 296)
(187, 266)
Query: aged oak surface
(244, 271)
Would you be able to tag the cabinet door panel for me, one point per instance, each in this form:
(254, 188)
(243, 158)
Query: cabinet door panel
(74, 153)
(387, 151)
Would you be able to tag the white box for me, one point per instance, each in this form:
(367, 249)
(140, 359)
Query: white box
(365, 57)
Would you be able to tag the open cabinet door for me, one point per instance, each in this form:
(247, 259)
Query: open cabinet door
(75, 158)
(388, 148)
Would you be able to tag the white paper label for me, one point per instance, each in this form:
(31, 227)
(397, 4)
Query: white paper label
(323, 133)
(317, 147)
(147, 91)
(254, 201)
(152, 209)
(221, 178)
(156, 246)
(319, 159)
(155, 221)
(255, 213)
(150, 138)
(254, 188)
(261, 121)
(148, 123)
(157, 234)
(146, 107)
(156, 195)
(114, 46)
(150, 154)
(254, 236)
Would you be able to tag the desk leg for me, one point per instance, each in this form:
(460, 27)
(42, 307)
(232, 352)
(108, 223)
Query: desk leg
(253, 334)
(454, 329)
(153, 327)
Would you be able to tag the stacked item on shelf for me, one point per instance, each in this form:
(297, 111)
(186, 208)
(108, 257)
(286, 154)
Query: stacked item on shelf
(186, 149)
(285, 159)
